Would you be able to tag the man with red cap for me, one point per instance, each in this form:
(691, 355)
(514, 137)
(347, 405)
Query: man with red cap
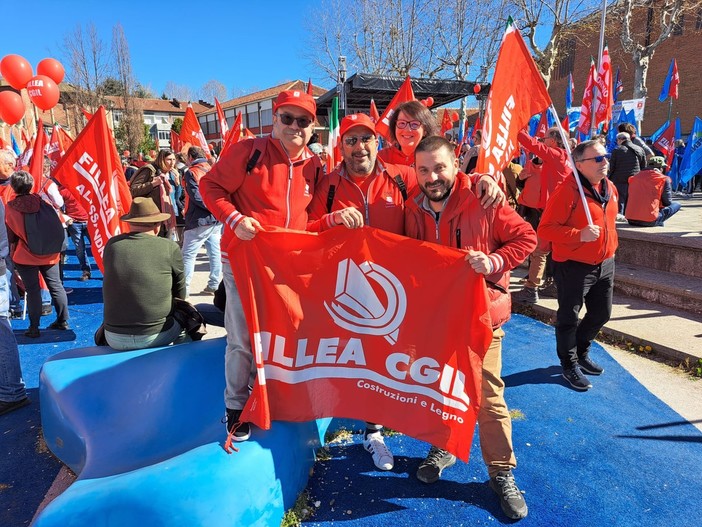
(264, 181)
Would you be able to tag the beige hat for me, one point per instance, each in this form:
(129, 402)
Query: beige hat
(144, 210)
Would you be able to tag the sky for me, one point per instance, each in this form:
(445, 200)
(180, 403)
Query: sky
(245, 45)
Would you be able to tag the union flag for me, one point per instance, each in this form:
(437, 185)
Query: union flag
(404, 94)
(191, 132)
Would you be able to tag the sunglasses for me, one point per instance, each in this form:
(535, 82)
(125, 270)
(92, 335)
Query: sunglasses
(287, 120)
(413, 125)
(352, 140)
(597, 159)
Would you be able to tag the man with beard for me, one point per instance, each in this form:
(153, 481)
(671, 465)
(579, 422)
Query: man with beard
(448, 212)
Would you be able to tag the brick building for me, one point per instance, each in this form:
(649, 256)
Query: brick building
(685, 45)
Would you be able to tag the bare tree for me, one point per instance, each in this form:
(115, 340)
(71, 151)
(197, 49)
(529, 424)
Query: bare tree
(211, 89)
(558, 16)
(178, 91)
(132, 119)
(641, 41)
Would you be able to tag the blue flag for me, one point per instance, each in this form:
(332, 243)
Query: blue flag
(618, 86)
(692, 158)
(678, 131)
(674, 173)
(15, 146)
(666, 84)
(569, 92)
(655, 135)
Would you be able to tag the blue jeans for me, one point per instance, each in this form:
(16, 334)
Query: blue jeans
(193, 239)
(11, 383)
(124, 342)
(79, 234)
(667, 212)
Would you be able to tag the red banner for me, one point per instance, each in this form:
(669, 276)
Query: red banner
(223, 126)
(404, 94)
(343, 326)
(605, 98)
(234, 134)
(518, 92)
(586, 108)
(36, 164)
(92, 171)
(58, 144)
(176, 142)
(191, 132)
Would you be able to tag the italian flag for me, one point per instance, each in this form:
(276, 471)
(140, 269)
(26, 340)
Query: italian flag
(333, 147)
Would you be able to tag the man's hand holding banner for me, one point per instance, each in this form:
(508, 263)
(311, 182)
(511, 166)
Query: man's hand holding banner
(364, 324)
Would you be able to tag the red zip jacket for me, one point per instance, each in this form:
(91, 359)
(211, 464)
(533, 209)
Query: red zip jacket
(564, 218)
(276, 192)
(382, 204)
(554, 170)
(14, 218)
(498, 232)
(394, 156)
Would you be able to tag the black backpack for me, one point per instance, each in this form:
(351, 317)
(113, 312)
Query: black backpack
(44, 231)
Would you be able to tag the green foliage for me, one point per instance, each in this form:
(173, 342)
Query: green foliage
(177, 124)
(697, 370)
(111, 86)
(301, 511)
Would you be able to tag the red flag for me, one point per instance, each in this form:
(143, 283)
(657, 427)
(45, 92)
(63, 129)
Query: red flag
(565, 124)
(223, 126)
(542, 126)
(86, 114)
(248, 134)
(310, 88)
(57, 146)
(338, 328)
(674, 81)
(36, 165)
(605, 95)
(234, 134)
(404, 94)
(374, 115)
(586, 108)
(446, 122)
(518, 92)
(26, 139)
(176, 142)
(477, 125)
(92, 171)
(191, 132)
(666, 142)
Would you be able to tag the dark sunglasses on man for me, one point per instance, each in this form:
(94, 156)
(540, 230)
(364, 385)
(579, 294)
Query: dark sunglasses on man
(287, 120)
(351, 140)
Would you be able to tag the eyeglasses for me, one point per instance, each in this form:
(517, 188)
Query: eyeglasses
(287, 120)
(413, 125)
(352, 140)
(597, 159)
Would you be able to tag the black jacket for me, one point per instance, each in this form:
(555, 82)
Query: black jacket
(627, 160)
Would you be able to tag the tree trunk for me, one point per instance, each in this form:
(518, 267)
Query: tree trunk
(641, 62)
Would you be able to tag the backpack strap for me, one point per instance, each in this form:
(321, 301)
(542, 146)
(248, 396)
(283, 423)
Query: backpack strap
(401, 185)
(257, 150)
(330, 198)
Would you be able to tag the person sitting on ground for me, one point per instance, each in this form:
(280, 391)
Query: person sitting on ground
(24, 211)
(143, 275)
(650, 196)
(627, 159)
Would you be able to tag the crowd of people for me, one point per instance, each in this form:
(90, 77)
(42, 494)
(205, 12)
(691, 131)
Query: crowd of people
(420, 185)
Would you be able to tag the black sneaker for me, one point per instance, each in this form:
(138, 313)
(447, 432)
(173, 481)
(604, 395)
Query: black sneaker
(243, 430)
(511, 499)
(437, 460)
(527, 295)
(58, 325)
(9, 407)
(32, 332)
(589, 366)
(576, 378)
(550, 290)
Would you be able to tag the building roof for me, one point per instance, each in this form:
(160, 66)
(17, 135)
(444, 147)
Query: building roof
(162, 105)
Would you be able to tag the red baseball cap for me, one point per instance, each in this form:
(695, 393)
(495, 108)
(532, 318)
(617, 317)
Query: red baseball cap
(353, 120)
(296, 98)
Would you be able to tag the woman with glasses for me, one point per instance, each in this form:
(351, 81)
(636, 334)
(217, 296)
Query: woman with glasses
(409, 124)
(160, 181)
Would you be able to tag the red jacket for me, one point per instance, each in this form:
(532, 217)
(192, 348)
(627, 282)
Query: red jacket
(14, 218)
(394, 156)
(276, 192)
(498, 232)
(645, 191)
(382, 204)
(73, 208)
(531, 193)
(554, 170)
(564, 217)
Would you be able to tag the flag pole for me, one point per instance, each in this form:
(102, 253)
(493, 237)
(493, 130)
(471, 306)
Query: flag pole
(670, 107)
(566, 145)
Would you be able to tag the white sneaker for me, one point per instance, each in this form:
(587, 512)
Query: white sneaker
(382, 457)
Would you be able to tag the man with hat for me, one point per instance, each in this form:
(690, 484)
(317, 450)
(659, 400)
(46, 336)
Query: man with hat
(264, 181)
(650, 196)
(363, 190)
(143, 274)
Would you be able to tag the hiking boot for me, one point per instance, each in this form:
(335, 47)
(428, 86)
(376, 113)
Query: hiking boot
(550, 290)
(9, 407)
(382, 457)
(437, 460)
(85, 277)
(46, 309)
(589, 366)
(58, 325)
(511, 499)
(576, 378)
(32, 332)
(231, 420)
(527, 295)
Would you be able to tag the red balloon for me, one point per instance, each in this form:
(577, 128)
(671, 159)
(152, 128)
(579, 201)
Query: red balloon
(16, 71)
(126, 153)
(11, 107)
(52, 68)
(43, 92)
(477, 88)
(430, 102)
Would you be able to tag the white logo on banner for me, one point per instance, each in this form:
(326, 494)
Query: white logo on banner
(356, 306)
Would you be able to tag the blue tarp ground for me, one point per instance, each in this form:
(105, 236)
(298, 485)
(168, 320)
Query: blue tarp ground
(613, 456)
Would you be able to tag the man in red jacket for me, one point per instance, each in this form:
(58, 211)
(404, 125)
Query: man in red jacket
(263, 181)
(583, 259)
(650, 196)
(447, 211)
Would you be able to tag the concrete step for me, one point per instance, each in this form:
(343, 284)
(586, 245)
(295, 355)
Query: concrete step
(668, 254)
(659, 287)
(670, 332)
